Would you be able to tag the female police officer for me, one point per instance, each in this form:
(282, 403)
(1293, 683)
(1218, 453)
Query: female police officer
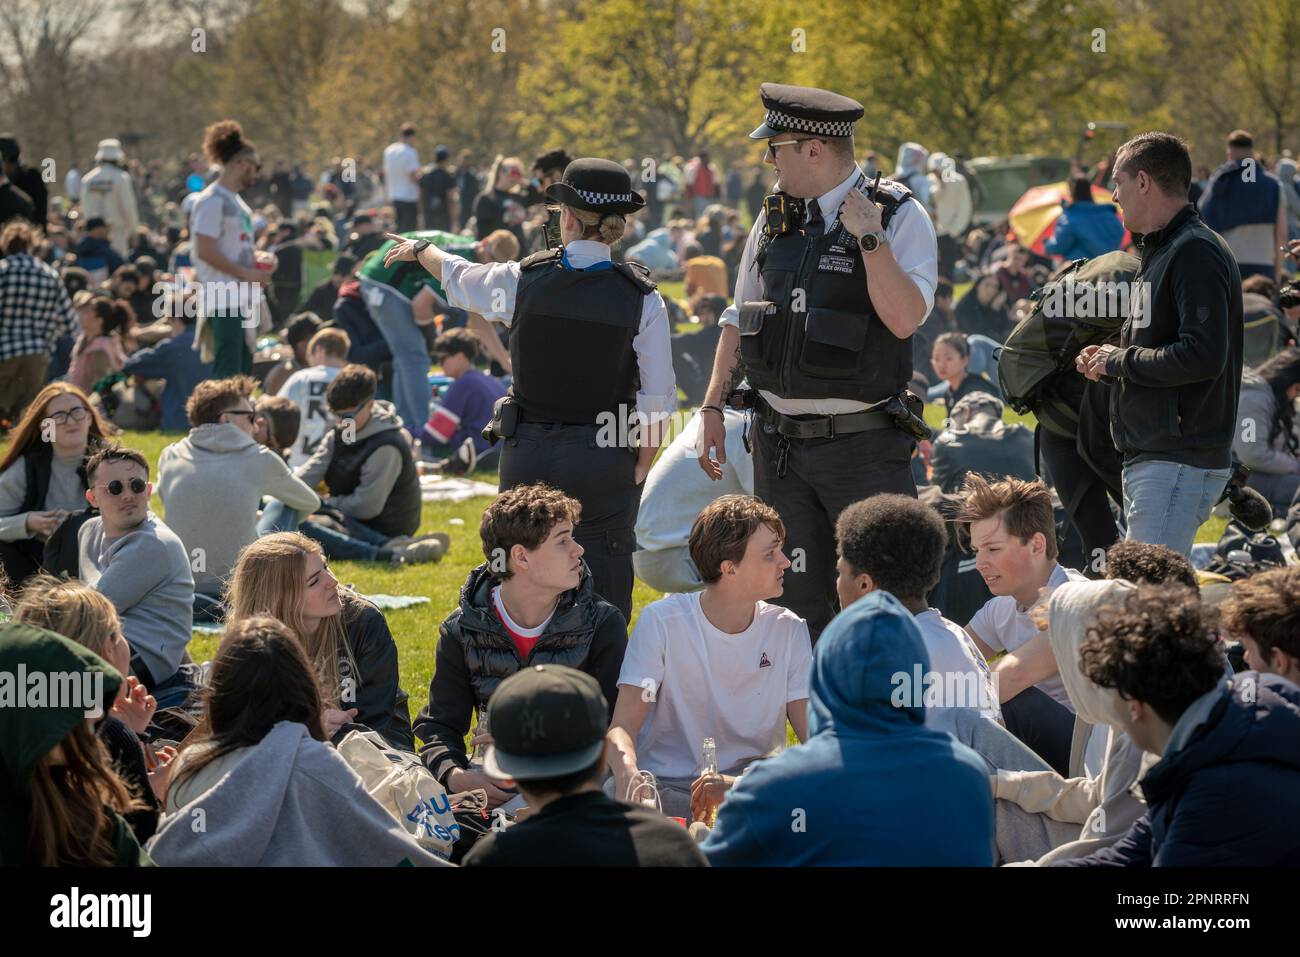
(589, 344)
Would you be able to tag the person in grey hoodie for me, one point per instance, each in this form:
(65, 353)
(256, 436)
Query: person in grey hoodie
(260, 777)
(365, 461)
(1266, 440)
(212, 481)
(140, 565)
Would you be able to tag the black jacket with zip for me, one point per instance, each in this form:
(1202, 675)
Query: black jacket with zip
(475, 654)
(1179, 366)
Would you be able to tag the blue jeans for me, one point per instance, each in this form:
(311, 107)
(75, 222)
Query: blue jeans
(984, 355)
(392, 316)
(277, 517)
(1166, 502)
(361, 543)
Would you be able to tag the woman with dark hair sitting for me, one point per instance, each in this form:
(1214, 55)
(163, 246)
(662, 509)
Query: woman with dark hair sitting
(261, 778)
(100, 349)
(951, 360)
(1266, 440)
(983, 309)
(43, 481)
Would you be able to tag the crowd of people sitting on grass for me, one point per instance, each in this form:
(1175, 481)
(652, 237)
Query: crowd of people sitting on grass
(1015, 738)
(1013, 677)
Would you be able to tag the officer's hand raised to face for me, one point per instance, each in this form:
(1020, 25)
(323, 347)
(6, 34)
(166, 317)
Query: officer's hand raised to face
(860, 215)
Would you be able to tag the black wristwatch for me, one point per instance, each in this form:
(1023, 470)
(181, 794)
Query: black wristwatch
(420, 246)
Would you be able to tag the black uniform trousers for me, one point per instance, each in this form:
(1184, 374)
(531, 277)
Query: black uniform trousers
(822, 478)
(568, 457)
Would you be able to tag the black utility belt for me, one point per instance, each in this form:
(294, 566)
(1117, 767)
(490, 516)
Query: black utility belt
(823, 426)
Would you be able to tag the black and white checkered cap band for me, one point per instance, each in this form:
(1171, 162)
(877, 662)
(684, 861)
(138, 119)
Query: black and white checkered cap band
(784, 121)
(600, 199)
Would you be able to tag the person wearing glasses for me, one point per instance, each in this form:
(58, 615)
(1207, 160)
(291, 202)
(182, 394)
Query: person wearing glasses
(221, 226)
(592, 361)
(43, 480)
(212, 481)
(142, 567)
(832, 284)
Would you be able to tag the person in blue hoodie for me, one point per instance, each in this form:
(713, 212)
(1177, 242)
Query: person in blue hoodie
(1228, 779)
(95, 253)
(177, 361)
(1085, 228)
(872, 785)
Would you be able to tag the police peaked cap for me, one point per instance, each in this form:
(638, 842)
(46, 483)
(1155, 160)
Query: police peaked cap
(806, 109)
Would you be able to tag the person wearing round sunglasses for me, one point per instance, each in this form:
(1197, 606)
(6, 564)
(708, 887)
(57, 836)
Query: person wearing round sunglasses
(142, 567)
(43, 482)
(230, 294)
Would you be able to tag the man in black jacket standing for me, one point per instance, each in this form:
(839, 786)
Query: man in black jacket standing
(1177, 369)
(532, 602)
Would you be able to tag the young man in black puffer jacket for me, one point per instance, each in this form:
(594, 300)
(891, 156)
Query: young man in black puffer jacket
(530, 603)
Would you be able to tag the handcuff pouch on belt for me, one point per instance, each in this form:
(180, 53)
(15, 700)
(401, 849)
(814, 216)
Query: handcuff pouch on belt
(504, 421)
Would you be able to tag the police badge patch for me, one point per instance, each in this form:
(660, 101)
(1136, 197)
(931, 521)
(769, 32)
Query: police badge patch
(831, 263)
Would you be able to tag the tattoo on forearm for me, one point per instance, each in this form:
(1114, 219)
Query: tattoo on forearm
(737, 372)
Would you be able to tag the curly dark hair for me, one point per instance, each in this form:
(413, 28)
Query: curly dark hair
(1158, 647)
(524, 515)
(1266, 609)
(896, 540)
(224, 140)
(1145, 564)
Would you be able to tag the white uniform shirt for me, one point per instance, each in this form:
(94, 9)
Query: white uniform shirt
(489, 289)
(912, 240)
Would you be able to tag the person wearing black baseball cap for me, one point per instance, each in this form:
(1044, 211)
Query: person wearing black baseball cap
(592, 362)
(837, 274)
(548, 727)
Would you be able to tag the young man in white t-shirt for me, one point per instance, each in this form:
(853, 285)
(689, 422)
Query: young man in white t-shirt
(402, 179)
(721, 664)
(327, 353)
(1013, 533)
(895, 543)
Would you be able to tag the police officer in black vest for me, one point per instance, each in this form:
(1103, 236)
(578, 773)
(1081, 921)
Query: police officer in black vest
(590, 348)
(839, 271)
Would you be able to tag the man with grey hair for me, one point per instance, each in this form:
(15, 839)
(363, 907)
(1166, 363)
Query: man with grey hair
(977, 440)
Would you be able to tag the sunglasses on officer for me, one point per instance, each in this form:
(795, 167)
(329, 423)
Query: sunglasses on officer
(772, 145)
(116, 487)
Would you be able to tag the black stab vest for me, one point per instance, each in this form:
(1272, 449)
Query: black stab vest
(571, 339)
(822, 338)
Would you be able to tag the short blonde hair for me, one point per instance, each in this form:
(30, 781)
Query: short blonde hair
(335, 343)
(503, 244)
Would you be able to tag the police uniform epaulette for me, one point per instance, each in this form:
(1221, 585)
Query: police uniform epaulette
(639, 274)
(891, 194)
(541, 257)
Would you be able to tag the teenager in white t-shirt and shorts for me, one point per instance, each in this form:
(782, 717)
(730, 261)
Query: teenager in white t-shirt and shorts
(721, 664)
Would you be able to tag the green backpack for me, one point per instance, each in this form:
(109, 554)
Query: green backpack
(1083, 304)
